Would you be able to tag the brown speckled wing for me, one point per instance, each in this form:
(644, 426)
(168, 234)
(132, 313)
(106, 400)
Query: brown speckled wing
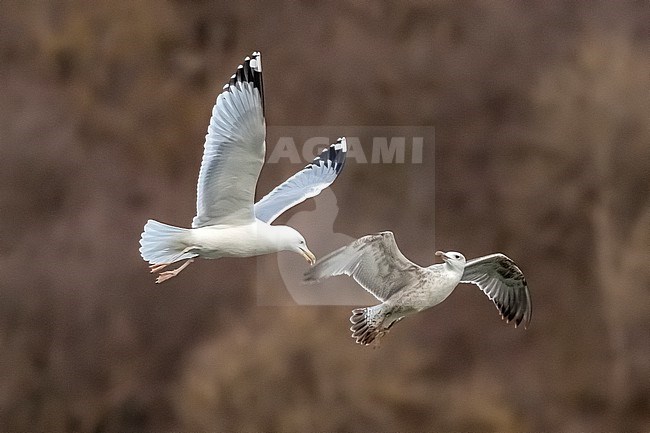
(504, 283)
(374, 261)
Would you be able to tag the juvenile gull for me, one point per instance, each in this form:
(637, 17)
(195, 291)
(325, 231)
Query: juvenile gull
(228, 223)
(375, 262)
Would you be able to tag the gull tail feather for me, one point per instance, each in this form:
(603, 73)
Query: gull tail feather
(367, 324)
(161, 243)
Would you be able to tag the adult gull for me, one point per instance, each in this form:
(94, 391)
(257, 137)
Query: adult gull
(228, 223)
(404, 288)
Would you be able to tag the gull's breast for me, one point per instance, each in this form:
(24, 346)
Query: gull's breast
(432, 289)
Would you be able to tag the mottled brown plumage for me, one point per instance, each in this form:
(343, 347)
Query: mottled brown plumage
(375, 262)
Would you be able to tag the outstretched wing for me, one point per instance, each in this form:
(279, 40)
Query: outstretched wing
(307, 183)
(374, 261)
(234, 150)
(504, 283)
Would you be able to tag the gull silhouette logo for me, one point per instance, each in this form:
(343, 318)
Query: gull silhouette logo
(318, 227)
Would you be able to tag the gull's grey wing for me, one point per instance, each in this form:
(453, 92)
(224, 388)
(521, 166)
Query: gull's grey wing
(374, 261)
(504, 283)
(234, 150)
(307, 183)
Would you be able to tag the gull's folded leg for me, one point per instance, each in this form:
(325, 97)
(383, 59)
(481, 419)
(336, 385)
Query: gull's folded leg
(158, 267)
(392, 323)
(383, 333)
(377, 341)
(164, 276)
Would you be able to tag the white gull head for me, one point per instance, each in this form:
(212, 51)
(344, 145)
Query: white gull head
(453, 259)
(289, 239)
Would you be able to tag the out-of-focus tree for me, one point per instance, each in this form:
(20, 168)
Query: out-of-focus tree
(595, 111)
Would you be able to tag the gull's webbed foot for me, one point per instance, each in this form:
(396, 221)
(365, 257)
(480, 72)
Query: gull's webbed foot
(164, 276)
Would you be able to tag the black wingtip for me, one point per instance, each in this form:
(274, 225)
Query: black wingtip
(250, 71)
(340, 150)
(333, 156)
(518, 313)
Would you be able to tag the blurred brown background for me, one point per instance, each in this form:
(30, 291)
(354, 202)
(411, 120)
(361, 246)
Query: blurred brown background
(541, 112)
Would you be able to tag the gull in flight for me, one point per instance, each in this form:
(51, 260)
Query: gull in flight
(404, 288)
(228, 223)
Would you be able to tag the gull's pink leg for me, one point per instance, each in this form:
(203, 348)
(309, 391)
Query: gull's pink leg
(377, 343)
(164, 276)
(383, 333)
(392, 323)
(158, 267)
